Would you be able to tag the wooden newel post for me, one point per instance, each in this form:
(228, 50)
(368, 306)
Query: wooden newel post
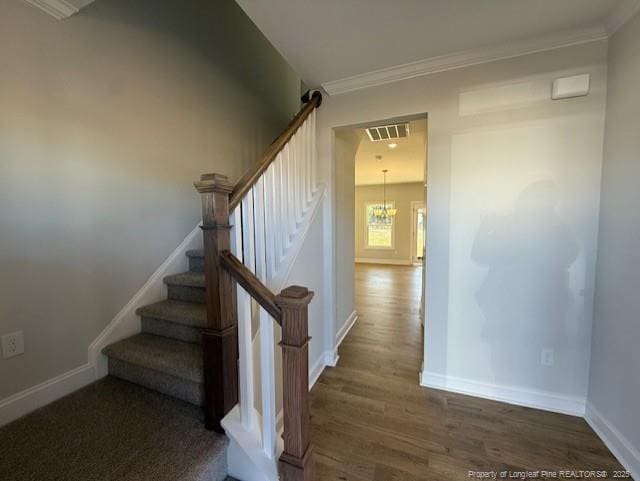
(296, 462)
(220, 337)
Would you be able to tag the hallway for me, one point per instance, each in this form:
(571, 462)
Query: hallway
(373, 422)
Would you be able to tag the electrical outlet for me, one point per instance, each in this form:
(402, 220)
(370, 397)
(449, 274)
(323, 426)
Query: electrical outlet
(546, 357)
(12, 344)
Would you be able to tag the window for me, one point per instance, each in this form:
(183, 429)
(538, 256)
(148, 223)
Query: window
(379, 230)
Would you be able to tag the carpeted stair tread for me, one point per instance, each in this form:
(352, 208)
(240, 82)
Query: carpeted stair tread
(186, 279)
(113, 430)
(190, 314)
(175, 358)
(195, 253)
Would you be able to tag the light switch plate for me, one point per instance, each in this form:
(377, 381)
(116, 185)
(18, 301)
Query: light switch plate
(12, 344)
(568, 87)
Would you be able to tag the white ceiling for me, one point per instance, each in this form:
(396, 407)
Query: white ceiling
(406, 163)
(328, 40)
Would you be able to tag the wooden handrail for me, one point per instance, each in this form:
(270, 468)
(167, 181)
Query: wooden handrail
(248, 180)
(250, 283)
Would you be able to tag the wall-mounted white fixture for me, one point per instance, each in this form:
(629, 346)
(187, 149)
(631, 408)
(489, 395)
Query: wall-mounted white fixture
(388, 132)
(12, 344)
(568, 87)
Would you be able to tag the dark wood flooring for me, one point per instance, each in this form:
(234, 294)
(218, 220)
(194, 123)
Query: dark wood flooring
(372, 421)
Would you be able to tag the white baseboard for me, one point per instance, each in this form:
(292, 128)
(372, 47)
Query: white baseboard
(547, 401)
(126, 323)
(391, 262)
(316, 370)
(624, 451)
(35, 397)
(331, 356)
(346, 327)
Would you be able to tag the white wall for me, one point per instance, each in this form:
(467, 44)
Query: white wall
(614, 391)
(346, 146)
(308, 271)
(106, 119)
(513, 196)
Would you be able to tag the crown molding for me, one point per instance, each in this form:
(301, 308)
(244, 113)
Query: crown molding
(463, 59)
(620, 15)
(60, 9)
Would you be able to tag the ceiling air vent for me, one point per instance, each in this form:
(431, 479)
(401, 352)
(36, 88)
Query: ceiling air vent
(388, 132)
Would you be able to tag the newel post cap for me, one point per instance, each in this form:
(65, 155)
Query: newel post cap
(213, 183)
(294, 297)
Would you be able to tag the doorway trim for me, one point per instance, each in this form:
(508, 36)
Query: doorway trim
(415, 205)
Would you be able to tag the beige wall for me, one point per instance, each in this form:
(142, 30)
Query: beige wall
(106, 119)
(614, 390)
(402, 195)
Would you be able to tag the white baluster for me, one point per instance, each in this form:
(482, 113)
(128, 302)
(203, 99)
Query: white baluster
(244, 247)
(267, 354)
(289, 194)
(277, 212)
(303, 173)
(235, 219)
(314, 153)
(269, 221)
(283, 197)
(299, 178)
(282, 204)
(295, 171)
(307, 141)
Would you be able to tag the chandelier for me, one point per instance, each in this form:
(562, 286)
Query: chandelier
(383, 212)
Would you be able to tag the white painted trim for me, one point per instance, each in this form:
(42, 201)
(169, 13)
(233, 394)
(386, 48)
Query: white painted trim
(35, 397)
(626, 453)
(59, 9)
(415, 205)
(127, 323)
(462, 59)
(330, 278)
(346, 327)
(331, 357)
(245, 457)
(394, 262)
(620, 15)
(547, 401)
(316, 370)
(279, 280)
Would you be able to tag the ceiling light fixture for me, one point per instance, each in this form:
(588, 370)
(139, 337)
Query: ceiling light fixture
(393, 145)
(384, 212)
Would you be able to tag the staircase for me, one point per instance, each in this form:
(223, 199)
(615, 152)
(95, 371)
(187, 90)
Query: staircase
(167, 355)
(198, 344)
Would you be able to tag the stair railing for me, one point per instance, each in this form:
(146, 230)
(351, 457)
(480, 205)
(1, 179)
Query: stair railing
(248, 233)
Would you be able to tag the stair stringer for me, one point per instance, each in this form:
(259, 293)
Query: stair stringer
(127, 323)
(277, 280)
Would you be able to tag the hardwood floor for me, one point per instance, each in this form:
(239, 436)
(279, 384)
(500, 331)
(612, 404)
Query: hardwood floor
(371, 420)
